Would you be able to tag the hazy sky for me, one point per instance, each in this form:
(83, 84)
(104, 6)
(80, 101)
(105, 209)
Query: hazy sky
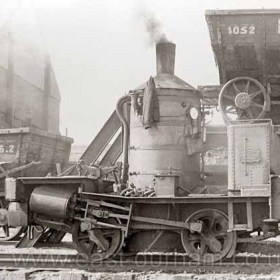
(100, 50)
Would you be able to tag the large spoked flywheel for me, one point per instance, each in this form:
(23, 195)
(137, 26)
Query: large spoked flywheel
(214, 242)
(243, 98)
(99, 243)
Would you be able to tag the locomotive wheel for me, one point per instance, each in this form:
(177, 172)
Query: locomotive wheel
(111, 239)
(243, 98)
(9, 233)
(214, 242)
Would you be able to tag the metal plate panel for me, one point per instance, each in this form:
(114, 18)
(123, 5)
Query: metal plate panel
(168, 147)
(249, 155)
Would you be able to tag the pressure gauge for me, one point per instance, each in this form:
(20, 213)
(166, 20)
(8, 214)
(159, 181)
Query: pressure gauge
(194, 113)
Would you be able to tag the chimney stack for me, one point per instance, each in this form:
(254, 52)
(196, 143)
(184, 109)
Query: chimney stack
(165, 53)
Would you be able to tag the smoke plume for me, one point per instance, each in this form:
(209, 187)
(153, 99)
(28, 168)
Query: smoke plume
(153, 26)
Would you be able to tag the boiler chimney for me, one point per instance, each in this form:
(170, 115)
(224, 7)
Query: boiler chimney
(165, 52)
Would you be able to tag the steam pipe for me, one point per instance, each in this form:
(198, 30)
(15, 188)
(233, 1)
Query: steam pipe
(119, 110)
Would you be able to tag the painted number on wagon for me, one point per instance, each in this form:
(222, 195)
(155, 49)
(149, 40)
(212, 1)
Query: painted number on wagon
(7, 149)
(241, 30)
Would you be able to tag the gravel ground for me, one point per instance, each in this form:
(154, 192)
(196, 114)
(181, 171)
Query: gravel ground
(42, 250)
(27, 274)
(76, 275)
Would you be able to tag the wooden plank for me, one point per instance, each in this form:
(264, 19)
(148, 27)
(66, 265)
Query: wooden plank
(14, 130)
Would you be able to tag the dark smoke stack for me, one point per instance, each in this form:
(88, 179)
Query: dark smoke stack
(165, 52)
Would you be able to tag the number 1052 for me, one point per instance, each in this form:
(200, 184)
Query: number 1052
(241, 30)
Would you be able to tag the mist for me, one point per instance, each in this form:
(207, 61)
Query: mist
(101, 49)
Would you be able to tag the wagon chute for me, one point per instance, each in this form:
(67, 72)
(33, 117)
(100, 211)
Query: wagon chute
(247, 52)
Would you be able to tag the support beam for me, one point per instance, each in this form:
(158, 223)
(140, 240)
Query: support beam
(10, 82)
(47, 92)
(102, 139)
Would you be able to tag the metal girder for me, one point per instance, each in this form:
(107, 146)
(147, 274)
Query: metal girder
(195, 199)
(195, 226)
(171, 224)
(113, 153)
(102, 139)
(30, 237)
(101, 213)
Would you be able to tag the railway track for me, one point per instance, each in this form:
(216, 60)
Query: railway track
(62, 256)
(163, 263)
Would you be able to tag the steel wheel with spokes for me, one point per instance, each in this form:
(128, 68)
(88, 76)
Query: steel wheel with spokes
(214, 242)
(100, 243)
(243, 98)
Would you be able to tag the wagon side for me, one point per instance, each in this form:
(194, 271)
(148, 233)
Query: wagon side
(32, 152)
(246, 45)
